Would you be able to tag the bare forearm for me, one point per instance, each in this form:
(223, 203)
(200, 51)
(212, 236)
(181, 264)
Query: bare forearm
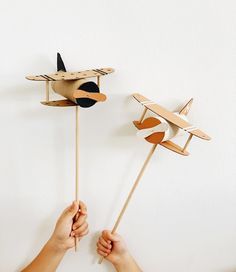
(47, 260)
(127, 264)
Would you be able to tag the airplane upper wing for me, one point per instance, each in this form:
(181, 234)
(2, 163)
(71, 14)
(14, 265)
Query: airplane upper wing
(71, 75)
(171, 117)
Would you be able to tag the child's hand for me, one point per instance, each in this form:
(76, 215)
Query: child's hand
(112, 247)
(67, 228)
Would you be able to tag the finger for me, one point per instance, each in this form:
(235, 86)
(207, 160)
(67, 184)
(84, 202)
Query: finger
(103, 249)
(81, 228)
(79, 221)
(79, 235)
(105, 243)
(72, 210)
(103, 254)
(84, 233)
(107, 235)
(83, 208)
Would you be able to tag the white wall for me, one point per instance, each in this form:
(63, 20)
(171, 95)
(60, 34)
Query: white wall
(182, 217)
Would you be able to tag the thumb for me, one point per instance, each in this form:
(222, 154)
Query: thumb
(72, 210)
(108, 235)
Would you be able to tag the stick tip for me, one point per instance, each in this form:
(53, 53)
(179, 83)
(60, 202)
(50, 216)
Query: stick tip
(101, 260)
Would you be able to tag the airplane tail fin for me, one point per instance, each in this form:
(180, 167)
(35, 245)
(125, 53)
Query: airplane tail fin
(186, 108)
(60, 63)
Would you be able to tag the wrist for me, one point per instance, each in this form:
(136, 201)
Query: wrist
(56, 246)
(123, 261)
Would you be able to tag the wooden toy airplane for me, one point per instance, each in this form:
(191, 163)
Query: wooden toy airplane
(166, 126)
(74, 86)
(160, 130)
(79, 92)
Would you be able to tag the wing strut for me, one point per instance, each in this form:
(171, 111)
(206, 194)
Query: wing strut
(143, 114)
(47, 91)
(188, 142)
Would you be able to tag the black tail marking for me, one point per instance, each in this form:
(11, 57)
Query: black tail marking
(60, 63)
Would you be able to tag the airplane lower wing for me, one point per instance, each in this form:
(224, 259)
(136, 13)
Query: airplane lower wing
(174, 147)
(59, 103)
(169, 116)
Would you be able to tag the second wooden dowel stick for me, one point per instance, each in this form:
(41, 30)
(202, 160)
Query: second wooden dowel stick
(131, 192)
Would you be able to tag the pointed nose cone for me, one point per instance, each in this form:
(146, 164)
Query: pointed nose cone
(60, 63)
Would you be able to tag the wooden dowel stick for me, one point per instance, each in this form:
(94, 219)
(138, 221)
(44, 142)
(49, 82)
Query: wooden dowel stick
(187, 143)
(47, 91)
(76, 164)
(133, 188)
(77, 154)
(143, 114)
(131, 192)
